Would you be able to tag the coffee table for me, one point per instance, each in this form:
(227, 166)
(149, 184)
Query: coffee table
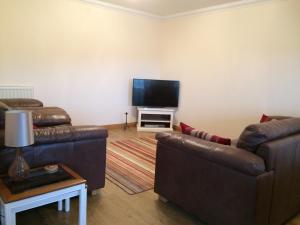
(13, 201)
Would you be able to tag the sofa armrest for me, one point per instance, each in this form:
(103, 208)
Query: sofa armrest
(282, 158)
(280, 153)
(227, 156)
(61, 134)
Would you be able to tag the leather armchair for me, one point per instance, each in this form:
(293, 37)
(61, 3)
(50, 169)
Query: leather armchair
(82, 148)
(255, 183)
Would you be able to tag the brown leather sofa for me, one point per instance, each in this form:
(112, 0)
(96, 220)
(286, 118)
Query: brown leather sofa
(255, 183)
(82, 148)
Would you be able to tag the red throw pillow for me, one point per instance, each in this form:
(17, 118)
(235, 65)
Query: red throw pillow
(264, 118)
(186, 129)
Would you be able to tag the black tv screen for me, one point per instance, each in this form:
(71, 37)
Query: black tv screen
(155, 93)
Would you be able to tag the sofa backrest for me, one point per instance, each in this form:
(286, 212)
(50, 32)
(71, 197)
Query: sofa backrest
(9, 103)
(21, 102)
(42, 116)
(48, 116)
(256, 134)
(280, 117)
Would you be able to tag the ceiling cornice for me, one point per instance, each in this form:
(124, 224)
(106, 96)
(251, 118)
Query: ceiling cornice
(122, 8)
(215, 8)
(193, 12)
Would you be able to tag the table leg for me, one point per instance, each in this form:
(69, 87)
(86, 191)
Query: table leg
(60, 205)
(13, 218)
(1, 213)
(9, 217)
(82, 206)
(67, 205)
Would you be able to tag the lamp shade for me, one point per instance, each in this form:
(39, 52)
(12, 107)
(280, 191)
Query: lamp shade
(18, 128)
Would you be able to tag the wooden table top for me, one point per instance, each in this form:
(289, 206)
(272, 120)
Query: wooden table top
(8, 197)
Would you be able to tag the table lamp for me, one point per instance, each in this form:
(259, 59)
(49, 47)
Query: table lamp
(18, 134)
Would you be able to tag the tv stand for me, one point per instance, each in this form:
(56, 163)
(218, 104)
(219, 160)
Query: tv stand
(155, 119)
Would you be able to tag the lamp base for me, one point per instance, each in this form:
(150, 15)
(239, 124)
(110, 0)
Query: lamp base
(19, 169)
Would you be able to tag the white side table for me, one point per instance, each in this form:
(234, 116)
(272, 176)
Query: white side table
(56, 192)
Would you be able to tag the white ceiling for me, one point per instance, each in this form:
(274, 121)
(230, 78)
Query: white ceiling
(166, 8)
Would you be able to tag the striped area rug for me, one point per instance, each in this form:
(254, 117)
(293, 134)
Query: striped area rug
(130, 164)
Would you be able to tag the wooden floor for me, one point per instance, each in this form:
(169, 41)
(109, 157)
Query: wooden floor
(112, 206)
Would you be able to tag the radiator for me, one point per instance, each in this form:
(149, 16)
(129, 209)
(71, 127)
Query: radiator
(16, 92)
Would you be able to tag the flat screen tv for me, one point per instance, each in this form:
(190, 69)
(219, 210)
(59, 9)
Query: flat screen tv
(155, 93)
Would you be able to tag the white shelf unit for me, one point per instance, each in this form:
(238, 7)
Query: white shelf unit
(155, 119)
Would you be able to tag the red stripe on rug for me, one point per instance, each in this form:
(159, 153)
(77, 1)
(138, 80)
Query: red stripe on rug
(144, 150)
(139, 148)
(133, 152)
(131, 179)
(127, 161)
(149, 140)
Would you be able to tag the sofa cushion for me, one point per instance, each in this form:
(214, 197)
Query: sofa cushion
(22, 102)
(60, 134)
(186, 129)
(256, 134)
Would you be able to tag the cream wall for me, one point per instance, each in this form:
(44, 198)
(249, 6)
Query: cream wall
(235, 64)
(77, 55)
